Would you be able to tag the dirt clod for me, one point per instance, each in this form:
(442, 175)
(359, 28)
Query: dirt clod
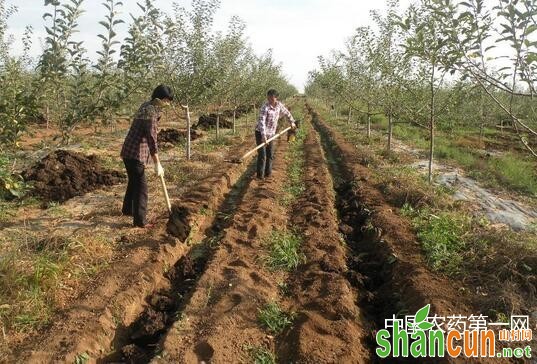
(171, 137)
(209, 122)
(178, 224)
(62, 175)
(148, 325)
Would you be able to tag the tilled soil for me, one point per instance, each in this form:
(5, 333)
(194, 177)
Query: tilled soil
(96, 323)
(330, 327)
(63, 175)
(220, 319)
(198, 299)
(387, 266)
(139, 342)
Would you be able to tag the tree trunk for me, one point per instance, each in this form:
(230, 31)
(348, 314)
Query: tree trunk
(218, 124)
(369, 126)
(431, 129)
(188, 134)
(234, 121)
(390, 132)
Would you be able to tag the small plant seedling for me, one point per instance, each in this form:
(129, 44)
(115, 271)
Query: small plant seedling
(284, 251)
(82, 358)
(284, 288)
(260, 355)
(274, 319)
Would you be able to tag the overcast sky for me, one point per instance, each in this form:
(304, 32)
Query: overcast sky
(297, 30)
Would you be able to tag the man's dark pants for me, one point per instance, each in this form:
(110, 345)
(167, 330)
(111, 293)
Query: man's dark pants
(265, 157)
(135, 202)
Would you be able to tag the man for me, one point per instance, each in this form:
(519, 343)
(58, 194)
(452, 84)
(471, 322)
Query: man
(139, 145)
(267, 125)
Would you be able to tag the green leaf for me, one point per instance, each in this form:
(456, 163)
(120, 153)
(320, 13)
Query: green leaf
(422, 314)
(531, 29)
(425, 326)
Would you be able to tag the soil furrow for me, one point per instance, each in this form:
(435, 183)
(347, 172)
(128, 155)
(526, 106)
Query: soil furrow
(386, 265)
(138, 343)
(119, 295)
(219, 323)
(329, 327)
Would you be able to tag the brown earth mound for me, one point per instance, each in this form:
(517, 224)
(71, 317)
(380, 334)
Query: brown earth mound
(240, 111)
(62, 175)
(173, 136)
(209, 121)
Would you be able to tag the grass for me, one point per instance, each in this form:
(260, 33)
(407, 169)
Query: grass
(34, 269)
(515, 172)
(443, 237)
(284, 289)
(55, 209)
(274, 319)
(260, 354)
(7, 211)
(295, 186)
(284, 251)
(112, 163)
(82, 358)
(213, 143)
(509, 170)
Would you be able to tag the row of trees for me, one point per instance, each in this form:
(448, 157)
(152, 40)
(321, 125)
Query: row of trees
(67, 87)
(450, 63)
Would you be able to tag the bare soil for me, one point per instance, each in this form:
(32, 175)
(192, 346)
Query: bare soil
(330, 327)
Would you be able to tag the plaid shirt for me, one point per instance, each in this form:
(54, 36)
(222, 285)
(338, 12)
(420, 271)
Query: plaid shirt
(268, 118)
(141, 141)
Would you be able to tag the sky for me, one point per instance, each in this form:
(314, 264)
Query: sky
(297, 31)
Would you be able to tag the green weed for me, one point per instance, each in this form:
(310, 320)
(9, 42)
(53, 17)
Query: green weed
(274, 319)
(442, 236)
(294, 186)
(284, 251)
(515, 172)
(261, 355)
(82, 358)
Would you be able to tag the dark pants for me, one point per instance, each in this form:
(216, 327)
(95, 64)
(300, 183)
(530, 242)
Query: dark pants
(265, 157)
(135, 202)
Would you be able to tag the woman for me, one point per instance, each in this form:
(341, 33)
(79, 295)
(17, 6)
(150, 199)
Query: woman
(139, 145)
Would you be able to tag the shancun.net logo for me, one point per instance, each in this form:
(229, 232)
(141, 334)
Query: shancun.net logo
(421, 336)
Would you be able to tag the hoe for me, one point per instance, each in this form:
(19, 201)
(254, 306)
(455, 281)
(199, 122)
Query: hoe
(241, 159)
(166, 196)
